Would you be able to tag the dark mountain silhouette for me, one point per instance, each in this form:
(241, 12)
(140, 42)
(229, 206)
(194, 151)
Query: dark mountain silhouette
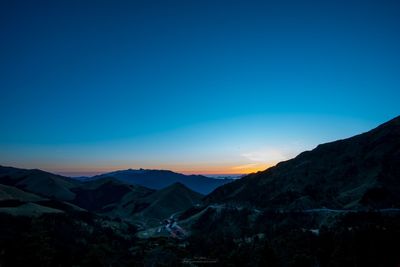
(157, 179)
(168, 201)
(33, 193)
(11, 193)
(361, 171)
(102, 194)
(135, 203)
(39, 182)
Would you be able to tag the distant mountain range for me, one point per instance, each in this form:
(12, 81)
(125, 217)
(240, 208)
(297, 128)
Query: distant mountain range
(35, 192)
(157, 179)
(359, 172)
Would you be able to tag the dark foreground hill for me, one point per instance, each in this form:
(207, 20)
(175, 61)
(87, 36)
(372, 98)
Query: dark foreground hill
(140, 205)
(39, 182)
(51, 220)
(168, 201)
(359, 172)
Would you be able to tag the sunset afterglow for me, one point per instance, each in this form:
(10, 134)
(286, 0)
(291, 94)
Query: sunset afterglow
(194, 87)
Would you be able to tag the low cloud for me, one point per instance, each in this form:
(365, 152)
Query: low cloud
(264, 156)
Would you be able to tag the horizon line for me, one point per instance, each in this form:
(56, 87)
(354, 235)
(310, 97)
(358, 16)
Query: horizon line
(73, 174)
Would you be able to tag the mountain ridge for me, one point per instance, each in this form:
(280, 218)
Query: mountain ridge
(158, 179)
(359, 171)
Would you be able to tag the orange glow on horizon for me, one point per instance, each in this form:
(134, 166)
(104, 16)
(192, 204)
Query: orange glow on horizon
(202, 170)
(236, 170)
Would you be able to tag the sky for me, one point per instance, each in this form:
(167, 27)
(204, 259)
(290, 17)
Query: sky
(207, 86)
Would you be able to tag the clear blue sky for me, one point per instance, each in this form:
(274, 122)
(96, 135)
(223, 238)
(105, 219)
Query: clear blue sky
(194, 86)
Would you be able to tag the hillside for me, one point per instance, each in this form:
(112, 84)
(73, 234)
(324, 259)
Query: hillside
(359, 172)
(17, 202)
(39, 182)
(165, 202)
(10, 193)
(103, 194)
(149, 210)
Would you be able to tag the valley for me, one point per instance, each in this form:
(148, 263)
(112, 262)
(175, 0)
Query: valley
(322, 208)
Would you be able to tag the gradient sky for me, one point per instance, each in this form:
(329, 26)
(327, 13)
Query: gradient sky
(193, 86)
